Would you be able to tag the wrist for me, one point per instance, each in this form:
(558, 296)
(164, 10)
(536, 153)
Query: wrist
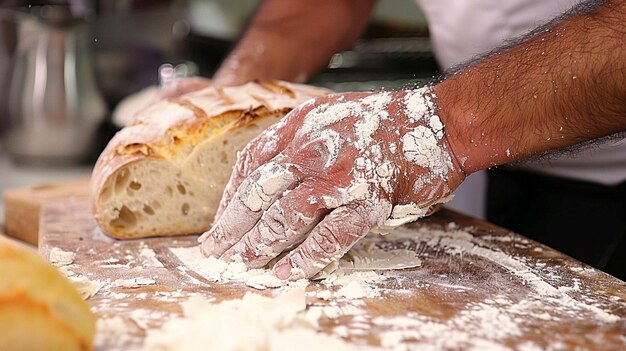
(470, 138)
(427, 154)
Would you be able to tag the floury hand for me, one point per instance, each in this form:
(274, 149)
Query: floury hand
(331, 171)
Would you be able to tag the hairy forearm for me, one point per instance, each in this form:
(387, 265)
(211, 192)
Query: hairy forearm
(564, 85)
(293, 39)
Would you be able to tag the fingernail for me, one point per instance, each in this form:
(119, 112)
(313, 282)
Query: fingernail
(283, 271)
(232, 256)
(208, 246)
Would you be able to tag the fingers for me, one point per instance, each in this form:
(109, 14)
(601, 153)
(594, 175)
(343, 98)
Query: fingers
(260, 150)
(328, 242)
(257, 152)
(183, 86)
(254, 196)
(283, 225)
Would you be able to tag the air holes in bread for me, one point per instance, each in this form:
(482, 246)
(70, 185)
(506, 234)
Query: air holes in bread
(125, 219)
(148, 210)
(121, 180)
(170, 167)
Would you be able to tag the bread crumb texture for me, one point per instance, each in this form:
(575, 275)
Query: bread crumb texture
(166, 172)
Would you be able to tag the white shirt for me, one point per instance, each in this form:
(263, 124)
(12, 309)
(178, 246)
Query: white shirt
(462, 29)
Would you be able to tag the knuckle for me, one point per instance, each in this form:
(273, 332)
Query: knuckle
(217, 232)
(274, 226)
(309, 260)
(328, 240)
(243, 162)
(355, 218)
(246, 249)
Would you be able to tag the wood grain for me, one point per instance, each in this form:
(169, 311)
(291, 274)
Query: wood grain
(483, 296)
(22, 205)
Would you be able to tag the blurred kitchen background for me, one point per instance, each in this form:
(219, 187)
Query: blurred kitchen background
(65, 65)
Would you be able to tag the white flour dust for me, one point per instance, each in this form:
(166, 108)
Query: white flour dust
(59, 257)
(133, 283)
(357, 268)
(217, 270)
(293, 316)
(253, 323)
(273, 178)
(460, 242)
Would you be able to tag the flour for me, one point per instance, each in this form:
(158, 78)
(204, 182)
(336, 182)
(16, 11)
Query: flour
(133, 283)
(421, 147)
(59, 257)
(358, 191)
(253, 323)
(273, 178)
(356, 268)
(489, 327)
(86, 287)
(436, 126)
(500, 321)
(459, 242)
(111, 329)
(323, 295)
(355, 284)
(418, 103)
(393, 148)
(353, 290)
(402, 214)
(150, 259)
(376, 109)
(325, 115)
(364, 129)
(333, 143)
(217, 270)
(326, 130)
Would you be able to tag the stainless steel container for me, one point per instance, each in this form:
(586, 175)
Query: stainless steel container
(54, 106)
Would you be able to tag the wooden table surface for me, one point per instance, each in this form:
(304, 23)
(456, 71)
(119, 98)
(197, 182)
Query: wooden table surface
(489, 289)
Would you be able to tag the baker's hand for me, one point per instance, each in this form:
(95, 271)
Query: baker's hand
(332, 170)
(247, 63)
(181, 86)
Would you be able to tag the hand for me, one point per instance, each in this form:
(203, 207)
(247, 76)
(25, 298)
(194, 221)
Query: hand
(242, 66)
(328, 173)
(181, 86)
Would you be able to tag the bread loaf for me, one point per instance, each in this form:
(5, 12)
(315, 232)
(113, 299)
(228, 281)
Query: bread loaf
(165, 173)
(39, 307)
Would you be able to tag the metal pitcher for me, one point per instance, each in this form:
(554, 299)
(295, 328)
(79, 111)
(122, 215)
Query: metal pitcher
(53, 104)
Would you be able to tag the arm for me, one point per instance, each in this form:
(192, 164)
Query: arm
(340, 166)
(293, 39)
(565, 85)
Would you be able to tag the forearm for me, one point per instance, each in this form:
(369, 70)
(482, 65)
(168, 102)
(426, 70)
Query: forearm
(293, 39)
(565, 85)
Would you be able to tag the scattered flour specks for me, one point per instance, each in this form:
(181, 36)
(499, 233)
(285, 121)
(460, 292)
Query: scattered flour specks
(59, 257)
(133, 283)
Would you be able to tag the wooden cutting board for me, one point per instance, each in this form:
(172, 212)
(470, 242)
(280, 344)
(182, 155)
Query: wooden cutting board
(478, 286)
(22, 205)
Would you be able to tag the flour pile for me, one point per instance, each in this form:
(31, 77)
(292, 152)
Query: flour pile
(252, 323)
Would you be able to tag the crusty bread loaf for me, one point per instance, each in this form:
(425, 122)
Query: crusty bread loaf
(165, 173)
(39, 308)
